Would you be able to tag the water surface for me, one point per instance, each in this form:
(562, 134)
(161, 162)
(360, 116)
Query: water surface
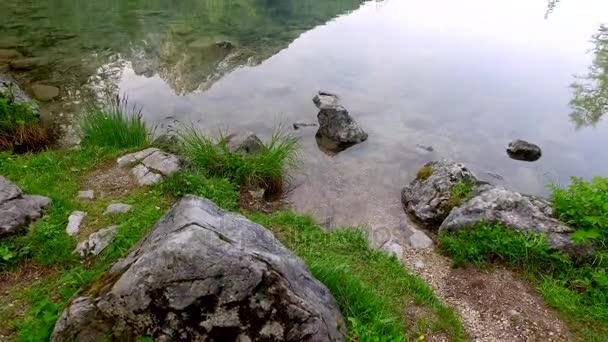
(464, 77)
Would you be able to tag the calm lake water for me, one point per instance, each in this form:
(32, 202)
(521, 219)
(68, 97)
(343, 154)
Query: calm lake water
(464, 77)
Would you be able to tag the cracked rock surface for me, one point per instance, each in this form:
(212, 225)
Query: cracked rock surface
(150, 165)
(203, 274)
(18, 210)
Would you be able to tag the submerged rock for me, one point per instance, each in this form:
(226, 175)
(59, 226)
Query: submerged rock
(18, 210)
(513, 210)
(7, 55)
(245, 143)
(202, 274)
(427, 197)
(523, 150)
(44, 92)
(335, 124)
(27, 63)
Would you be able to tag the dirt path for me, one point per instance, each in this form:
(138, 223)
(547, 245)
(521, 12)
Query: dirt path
(494, 305)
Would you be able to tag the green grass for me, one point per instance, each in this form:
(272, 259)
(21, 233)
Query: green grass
(114, 124)
(20, 129)
(373, 290)
(577, 289)
(267, 168)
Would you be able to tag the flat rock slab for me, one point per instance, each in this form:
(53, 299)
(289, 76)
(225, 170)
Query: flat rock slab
(150, 165)
(117, 208)
(74, 222)
(44, 92)
(203, 274)
(86, 195)
(96, 242)
(18, 210)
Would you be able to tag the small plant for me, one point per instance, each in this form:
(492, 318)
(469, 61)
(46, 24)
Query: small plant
(424, 173)
(266, 168)
(114, 124)
(20, 129)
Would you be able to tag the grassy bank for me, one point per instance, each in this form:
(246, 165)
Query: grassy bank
(20, 129)
(373, 290)
(577, 289)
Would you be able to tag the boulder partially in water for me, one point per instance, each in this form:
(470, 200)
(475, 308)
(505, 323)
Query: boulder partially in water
(523, 150)
(427, 198)
(18, 210)
(335, 123)
(244, 143)
(203, 274)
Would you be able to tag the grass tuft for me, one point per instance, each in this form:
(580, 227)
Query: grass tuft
(424, 173)
(20, 129)
(266, 168)
(114, 124)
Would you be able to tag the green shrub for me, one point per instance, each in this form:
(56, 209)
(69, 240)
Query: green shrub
(20, 129)
(584, 205)
(266, 168)
(114, 124)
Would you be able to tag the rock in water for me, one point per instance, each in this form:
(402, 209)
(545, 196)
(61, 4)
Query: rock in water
(516, 211)
(10, 88)
(245, 143)
(44, 92)
(18, 210)
(203, 274)
(523, 150)
(336, 124)
(426, 198)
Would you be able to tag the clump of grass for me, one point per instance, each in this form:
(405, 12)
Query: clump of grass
(424, 173)
(372, 289)
(220, 190)
(266, 168)
(461, 193)
(114, 124)
(20, 129)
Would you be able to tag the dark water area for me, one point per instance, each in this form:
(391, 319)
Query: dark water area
(465, 77)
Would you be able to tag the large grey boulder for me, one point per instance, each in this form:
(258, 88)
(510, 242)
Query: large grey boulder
(203, 274)
(523, 150)
(10, 88)
(18, 210)
(427, 197)
(516, 211)
(335, 123)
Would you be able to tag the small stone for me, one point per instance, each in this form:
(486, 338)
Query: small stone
(426, 148)
(419, 240)
(87, 195)
(96, 242)
(513, 312)
(117, 208)
(523, 150)
(44, 92)
(298, 125)
(419, 265)
(27, 63)
(74, 222)
(393, 248)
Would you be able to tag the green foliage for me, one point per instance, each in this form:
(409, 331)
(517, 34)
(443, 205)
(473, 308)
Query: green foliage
(577, 289)
(266, 168)
(114, 124)
(584, 205)
(220, 190)
(20, 130)
(372, 289)
(590, 100)
(424, 173)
